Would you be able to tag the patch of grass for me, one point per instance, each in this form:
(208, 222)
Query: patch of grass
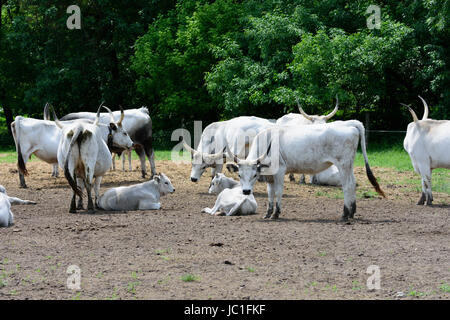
(322, 254)
(77, 296)
(250, 269)
(415, 293)
(445, 287)
(356, 286)
(189, 278)
(114, 295)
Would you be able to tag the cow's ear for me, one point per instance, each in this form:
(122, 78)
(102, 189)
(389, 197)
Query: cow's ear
(157, 179)
(113, 126)
(232, 167)
(260, 165)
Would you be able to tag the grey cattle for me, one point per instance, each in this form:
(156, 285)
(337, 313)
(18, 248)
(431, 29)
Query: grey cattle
(137, 124)
(6, 215)
(427, 142)
(142, 196)
(230, 199)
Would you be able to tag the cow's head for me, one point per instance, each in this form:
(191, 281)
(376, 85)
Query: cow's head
(164, 184)
(315, 119)
(248, 170)
(201, 161)
(215, 186)
(118, 137)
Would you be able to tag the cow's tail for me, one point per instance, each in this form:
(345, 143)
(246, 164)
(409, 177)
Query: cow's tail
(67, 173)
(369, 172)
(15, 129)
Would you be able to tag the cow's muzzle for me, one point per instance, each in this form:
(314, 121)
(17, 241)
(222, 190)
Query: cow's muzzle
(194, 179)
(246, 192)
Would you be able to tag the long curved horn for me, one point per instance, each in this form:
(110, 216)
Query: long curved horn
(329, 116)
(425, 106)
(110, 113)
(261, 158)
(303, 112)
(97, 117)
(46, 113)
(122, 115)
(57, 122)
(411, 111)
(188, 148)
(215, 156)
(231, 154)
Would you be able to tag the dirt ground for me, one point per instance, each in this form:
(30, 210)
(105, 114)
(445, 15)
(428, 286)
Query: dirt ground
(180, 253)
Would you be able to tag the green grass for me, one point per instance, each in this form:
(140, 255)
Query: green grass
(189, 278)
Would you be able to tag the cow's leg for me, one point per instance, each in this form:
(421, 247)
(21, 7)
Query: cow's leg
(97, 182)
(151, 158)
(129, 162)
(14, 201)
(427, 196)
(22, 180)
(73, 206)
(141, 153)
(90, 206)
(349, 188)
(80, 182)
(278, 186)
(271, 195)
(113, 162)
(302, 179)
(148, 205)
(216, 207)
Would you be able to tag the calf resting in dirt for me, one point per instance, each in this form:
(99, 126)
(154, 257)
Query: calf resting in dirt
(6, 215)
(142, 196)
(230, 200)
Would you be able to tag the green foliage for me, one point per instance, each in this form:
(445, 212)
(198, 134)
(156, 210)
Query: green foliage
(212, 60)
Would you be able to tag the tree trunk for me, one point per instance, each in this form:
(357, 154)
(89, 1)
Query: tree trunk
(9, 118)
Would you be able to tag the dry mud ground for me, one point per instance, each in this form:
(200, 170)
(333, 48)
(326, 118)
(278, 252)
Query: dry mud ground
(307, 254)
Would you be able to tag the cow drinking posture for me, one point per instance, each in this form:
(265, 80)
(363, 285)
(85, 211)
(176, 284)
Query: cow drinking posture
(230, 200)
(427, 142)
(6, 215)
(304, 149)
(142, 196)
(84, 155)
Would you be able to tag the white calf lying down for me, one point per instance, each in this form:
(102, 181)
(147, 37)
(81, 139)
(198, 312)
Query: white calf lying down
(142, 196)
(230, 200)
(328, 177)
(6, 215)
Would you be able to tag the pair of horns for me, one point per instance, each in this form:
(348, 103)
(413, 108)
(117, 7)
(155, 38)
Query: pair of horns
(258, 160)
(425, 113)
(327, 117)
(210, 157)
(122, 114)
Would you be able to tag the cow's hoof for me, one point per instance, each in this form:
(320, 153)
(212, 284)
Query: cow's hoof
(24, 186)
(267, 216)
(72, 211)
(275, 216)
(90, 211)
(80, 207)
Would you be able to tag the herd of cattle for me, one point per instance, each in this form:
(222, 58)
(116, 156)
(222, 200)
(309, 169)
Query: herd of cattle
(82, 145)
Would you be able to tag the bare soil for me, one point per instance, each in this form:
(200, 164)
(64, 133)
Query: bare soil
(307, 254)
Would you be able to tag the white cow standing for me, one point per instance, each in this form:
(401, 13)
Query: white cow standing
(237, 132)
(302, 119)
(427, 142)
(142, 196)
(84, 154)
(305, 149)
(6, 215)
(230, 200)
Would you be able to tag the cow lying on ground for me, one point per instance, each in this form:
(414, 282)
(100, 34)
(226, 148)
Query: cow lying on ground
(230, 200)
(427, 142)
(329, 177)
(6, 215)
(142, 196)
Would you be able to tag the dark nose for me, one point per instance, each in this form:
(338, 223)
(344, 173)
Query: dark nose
(246, 192)
(193, 179)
